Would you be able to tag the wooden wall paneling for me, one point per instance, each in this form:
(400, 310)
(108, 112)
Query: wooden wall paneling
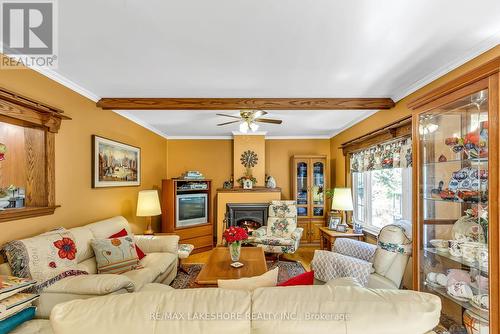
(35, 167)
(10, 173)
(245, 103)
(50, 172)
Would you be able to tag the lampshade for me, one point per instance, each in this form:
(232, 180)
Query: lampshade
(148, 203)
(342, 199)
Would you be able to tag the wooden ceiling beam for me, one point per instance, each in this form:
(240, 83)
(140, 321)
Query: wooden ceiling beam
(245, 103)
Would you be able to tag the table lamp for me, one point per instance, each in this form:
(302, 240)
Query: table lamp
(342, 201)
(148, 205)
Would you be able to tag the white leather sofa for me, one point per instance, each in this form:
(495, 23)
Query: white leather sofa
(160, 265)
(334, 308)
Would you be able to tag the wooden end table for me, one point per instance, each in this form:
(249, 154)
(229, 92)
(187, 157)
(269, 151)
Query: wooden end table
(329, 236)
(218, 265)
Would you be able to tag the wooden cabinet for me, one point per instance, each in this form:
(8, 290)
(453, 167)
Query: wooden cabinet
(200, 235)
(456, 184)
(309, 180)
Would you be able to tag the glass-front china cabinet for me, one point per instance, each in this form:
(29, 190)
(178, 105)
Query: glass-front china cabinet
(309, 179)
(456, 203)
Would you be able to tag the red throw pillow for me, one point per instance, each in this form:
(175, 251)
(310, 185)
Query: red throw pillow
(306, 278)
(123, 233)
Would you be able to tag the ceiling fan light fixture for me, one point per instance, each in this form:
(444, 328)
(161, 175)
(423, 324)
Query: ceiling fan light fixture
(254, 127)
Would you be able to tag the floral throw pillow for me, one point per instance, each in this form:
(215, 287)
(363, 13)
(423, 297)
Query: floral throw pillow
(281, 227)
(45, 258)
(283, 209)
(115, 255)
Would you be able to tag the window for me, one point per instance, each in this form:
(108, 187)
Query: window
(382, 197)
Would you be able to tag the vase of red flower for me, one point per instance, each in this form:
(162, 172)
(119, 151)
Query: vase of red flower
(235, 236)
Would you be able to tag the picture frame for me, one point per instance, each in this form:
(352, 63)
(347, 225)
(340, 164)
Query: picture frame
(115, 164)
(333, 222)
(341, 228)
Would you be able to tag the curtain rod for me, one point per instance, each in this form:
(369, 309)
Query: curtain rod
(388, 127)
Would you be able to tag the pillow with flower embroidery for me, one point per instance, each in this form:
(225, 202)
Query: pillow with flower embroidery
(115, 255)
(45, 258)
(281, 227)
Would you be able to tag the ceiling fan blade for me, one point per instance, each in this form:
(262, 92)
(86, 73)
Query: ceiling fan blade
(259, 113)
(267, 120)
(228, 116)
(228, 123)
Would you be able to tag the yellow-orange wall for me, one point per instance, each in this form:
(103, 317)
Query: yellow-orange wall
(255, 143)
(279, 152)
(400, 110)
(214, 158)
(80, 204)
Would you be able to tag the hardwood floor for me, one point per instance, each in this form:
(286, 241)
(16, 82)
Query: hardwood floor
(304, 255)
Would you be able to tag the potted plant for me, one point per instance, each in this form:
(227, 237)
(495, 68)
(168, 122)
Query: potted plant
(235, 236)
(247, 181)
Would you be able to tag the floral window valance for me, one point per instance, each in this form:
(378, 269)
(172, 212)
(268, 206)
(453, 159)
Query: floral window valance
(394, 154)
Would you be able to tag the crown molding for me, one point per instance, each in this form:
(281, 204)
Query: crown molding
(199, 137)
(472, 53)
(298, 137)
(66, 82)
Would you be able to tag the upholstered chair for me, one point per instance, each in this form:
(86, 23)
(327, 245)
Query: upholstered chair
(379, 266)
(281, 234)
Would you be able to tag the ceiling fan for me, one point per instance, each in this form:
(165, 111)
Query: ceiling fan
(248, 120)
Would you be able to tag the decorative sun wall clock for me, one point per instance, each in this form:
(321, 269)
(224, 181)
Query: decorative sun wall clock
(249, 159)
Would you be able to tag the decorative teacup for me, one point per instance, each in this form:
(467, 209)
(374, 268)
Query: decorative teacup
(442, 279)
(455, 248)
(482, 301)
(470, 250)
(482, 257)
(441, 245)
(431, 277)
(460, 290)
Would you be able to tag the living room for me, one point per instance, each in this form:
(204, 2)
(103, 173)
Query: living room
(301, 167)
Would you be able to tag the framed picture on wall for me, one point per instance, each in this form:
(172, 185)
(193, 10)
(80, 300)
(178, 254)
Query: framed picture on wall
(115, 164)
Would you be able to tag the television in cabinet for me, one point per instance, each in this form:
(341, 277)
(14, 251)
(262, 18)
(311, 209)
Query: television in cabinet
(187, 212)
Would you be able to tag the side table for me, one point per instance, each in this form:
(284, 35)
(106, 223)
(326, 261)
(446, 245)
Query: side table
(327, 237)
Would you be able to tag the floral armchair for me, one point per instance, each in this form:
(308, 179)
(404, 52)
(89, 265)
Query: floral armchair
(281, 235)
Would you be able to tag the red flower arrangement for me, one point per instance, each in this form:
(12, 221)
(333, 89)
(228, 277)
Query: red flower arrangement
(67, 248)
(235, 234)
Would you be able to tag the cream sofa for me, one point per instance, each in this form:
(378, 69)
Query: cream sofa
(334, 308)
(160, 265)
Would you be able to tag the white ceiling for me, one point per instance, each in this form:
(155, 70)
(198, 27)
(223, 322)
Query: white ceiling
(262, 48)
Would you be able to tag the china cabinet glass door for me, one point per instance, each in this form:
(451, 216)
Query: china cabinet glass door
(317, 189)
(302, 187)
(453, 209)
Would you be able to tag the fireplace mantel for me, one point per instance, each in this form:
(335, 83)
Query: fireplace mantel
(240, 195)
(255, 189)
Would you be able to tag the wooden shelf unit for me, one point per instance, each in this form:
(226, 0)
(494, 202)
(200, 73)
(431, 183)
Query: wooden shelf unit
(201, 236)
(310, 179)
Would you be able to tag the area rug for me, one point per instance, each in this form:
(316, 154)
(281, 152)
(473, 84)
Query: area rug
(287, 270)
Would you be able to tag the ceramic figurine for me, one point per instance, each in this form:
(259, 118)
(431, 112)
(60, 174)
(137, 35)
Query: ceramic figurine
(270, 182)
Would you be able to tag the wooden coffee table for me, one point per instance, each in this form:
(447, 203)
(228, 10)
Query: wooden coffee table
(218, 265)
